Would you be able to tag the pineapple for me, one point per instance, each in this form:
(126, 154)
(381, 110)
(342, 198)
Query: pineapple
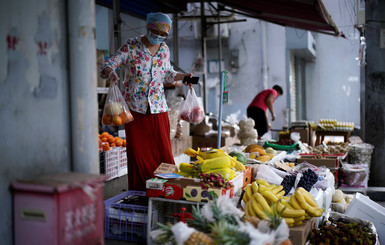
(274, 218)
(226, 233)
(199, 238)
(252, 220)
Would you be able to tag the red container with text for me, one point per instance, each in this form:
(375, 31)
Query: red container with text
(59, 209)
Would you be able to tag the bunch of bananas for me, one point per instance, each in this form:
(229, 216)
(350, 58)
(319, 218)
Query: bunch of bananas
(214, 161)
(260, 197)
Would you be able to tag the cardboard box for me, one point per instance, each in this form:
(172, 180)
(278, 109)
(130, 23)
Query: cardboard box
(364, 208)
(303, 132)
(202, 141)
(298, 234)
(329, 162)
(246, 176)
(184, 189)
(165, 168)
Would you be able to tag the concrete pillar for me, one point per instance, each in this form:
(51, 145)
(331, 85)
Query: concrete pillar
(83, 83)
(374, 95)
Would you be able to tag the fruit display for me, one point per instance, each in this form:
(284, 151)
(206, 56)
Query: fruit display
(342, 231)
(106, 141)
(225, 225)
(330, 148)
(262, 198)
(214, 180)
(308, 179)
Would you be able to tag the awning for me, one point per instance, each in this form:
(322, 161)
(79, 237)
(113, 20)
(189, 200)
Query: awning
(302, 14)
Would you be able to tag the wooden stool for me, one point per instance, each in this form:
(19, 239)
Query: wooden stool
(320, 135)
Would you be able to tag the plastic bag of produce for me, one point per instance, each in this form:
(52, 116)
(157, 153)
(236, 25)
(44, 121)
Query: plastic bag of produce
(115, 112)
(192, 108)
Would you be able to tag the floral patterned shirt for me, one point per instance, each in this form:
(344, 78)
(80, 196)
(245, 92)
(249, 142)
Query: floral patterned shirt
(144, 75)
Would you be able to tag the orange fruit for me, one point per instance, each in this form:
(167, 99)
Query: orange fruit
(124, 143)
(126, 116)
(107, 120)
(104, 139)
(119, 142)
(111, 139)
(113, 145)
(104, 134)
(117, 120)
(106, 146)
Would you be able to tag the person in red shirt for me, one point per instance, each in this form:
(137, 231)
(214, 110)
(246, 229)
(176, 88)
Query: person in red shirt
(257, 109)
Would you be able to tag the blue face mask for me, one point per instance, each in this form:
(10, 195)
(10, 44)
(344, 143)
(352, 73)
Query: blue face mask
(155, 39)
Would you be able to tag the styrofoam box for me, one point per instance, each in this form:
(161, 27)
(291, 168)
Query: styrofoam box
(364, 208)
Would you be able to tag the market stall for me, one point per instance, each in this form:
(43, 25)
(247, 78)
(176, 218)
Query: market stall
(273, 191)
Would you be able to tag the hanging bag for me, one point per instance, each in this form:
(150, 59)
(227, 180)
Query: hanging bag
(192, 108)
(115, 112)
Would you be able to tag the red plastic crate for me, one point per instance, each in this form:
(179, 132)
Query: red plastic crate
(61, 209)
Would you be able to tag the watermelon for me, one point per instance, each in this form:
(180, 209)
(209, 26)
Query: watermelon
(241, 157)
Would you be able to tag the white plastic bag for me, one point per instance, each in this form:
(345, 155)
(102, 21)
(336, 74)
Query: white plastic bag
(192, 108)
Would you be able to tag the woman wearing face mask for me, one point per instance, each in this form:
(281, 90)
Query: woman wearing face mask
(147, 67)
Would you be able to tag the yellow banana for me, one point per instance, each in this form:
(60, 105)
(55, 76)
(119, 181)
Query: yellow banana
(251, 209)
(262, 182)
(258, 209)
(270, 197)
(287, 204)
(191, 152)
(277, 189)
(301, 218)
(298, 223)
(286, 198)
(248, 192)
(262, 201)
(246, 209)
(186, 167)
(254, 187)
(280, 194)
(314, 212)
(294, 203)
(263, 188)
(308, 197)
(289, 221)
(285, 212)
(301, 200)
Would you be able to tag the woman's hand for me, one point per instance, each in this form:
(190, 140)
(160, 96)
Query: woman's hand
(180, 76)
(113, 77)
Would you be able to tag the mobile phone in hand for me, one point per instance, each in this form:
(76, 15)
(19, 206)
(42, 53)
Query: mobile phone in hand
(193, 80)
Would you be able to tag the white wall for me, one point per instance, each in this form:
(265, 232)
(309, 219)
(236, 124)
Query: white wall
(34, 103)
(333, 81)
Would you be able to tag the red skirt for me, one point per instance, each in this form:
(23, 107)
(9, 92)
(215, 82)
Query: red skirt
(148, 145)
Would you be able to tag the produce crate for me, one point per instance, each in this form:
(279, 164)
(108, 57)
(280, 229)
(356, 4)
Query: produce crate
(126, 221)
(109, 163)
(122, 161)
(161, 210)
